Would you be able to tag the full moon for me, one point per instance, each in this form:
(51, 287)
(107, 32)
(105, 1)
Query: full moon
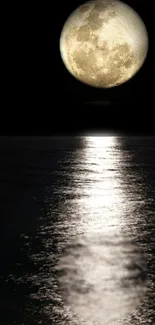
(103, 43)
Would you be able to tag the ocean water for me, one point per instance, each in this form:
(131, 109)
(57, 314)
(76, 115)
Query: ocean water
(77, 230)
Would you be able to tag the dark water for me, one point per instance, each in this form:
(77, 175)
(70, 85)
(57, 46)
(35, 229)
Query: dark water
(77, 231)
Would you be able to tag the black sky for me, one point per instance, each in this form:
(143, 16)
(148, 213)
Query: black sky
(42, 97)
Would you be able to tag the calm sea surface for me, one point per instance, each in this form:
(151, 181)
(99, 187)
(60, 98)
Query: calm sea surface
(77, 231)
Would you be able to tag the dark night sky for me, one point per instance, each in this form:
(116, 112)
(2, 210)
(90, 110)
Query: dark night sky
(44, 98)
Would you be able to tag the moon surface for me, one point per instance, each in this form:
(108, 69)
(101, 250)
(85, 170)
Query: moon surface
(104, 43)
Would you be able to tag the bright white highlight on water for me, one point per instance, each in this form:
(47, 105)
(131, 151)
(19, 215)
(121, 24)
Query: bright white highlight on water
(102, 271)
(101, 205)
(102, 278)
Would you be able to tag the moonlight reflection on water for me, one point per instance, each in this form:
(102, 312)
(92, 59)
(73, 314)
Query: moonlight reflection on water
(101, 278)
(102, 273)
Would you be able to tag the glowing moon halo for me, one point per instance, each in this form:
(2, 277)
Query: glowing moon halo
(104, 43)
